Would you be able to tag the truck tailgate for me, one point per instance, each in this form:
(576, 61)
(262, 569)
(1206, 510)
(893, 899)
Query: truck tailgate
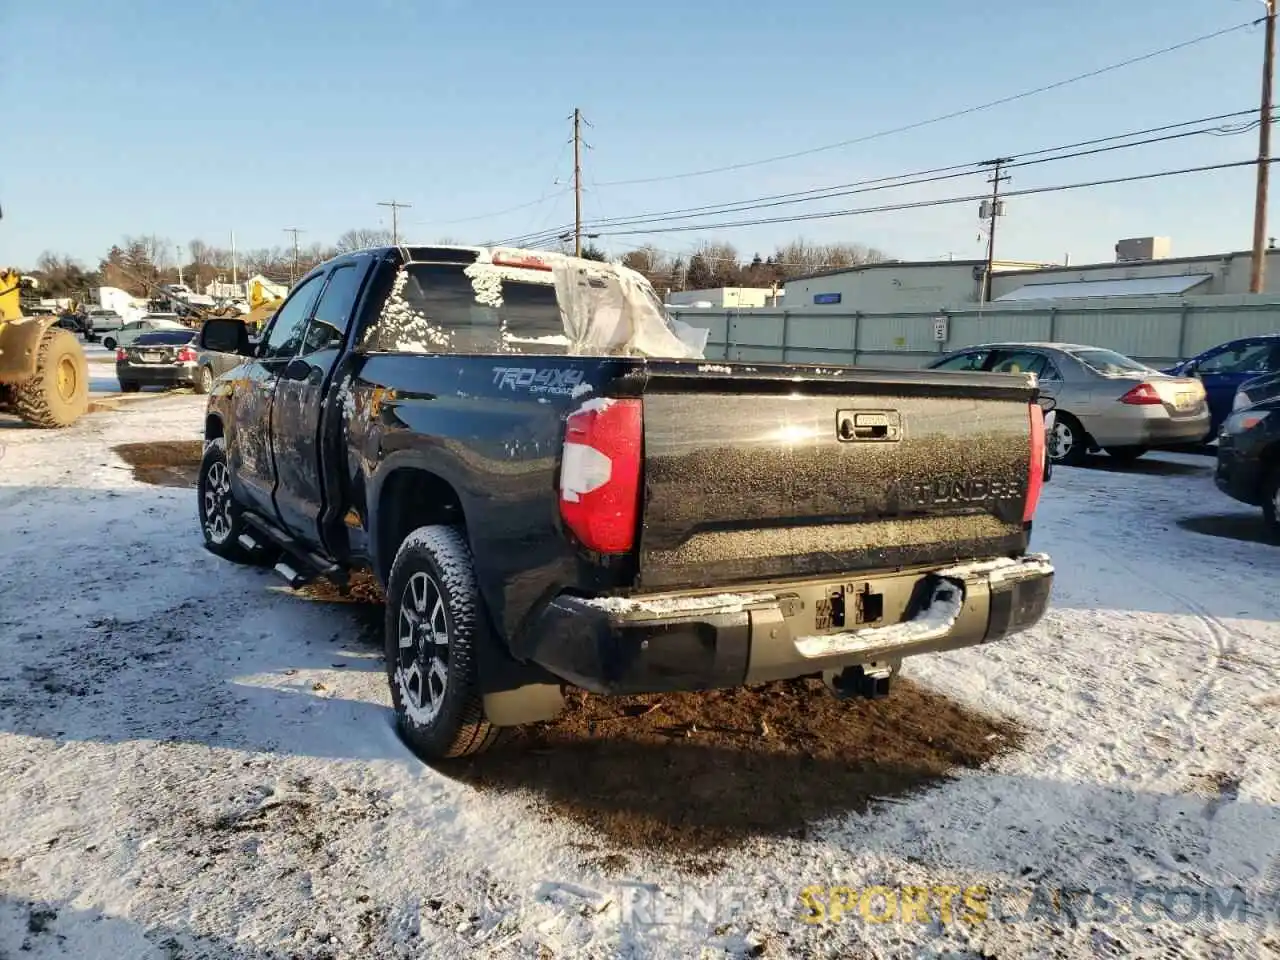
(757, 474)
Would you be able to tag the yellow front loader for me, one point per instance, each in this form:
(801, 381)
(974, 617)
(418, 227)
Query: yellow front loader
(44, 377)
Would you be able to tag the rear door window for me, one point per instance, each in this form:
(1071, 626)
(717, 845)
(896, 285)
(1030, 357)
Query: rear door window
(1017, 361)
(435, 308)
(1250, 357)
(333, 311)
(972, 360)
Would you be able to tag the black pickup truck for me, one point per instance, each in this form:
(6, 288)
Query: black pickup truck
(553, 489)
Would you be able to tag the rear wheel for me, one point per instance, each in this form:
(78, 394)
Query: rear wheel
(109, 343)
(433, 619)
(221, 518)
(1125, 454)
(1068, 443)
(130, 386)
(58, 395)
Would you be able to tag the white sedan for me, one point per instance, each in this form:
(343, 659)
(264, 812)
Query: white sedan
(136, 328)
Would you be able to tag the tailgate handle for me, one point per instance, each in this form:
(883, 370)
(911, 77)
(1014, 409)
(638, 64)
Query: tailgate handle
(864, 425)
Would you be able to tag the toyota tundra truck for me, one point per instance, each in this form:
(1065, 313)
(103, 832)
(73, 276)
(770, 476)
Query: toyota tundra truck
(554, 489)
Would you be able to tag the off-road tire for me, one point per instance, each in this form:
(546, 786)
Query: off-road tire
(58, 395)
(1079, 448)
(214, 473)
(204, 380)
(130, 386)
(458, 726)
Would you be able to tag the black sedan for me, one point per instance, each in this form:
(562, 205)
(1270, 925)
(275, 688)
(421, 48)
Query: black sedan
(1249, 459)
(164, 358)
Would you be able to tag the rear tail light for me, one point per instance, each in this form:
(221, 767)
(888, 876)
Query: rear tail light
(600, 474)
(1143, 394)
(186, 355)
(122, 354)
(1035, 471)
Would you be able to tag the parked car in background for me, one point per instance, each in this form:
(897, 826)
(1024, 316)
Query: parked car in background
(1256, 390)
(211, 365)
(1224, 368)
(102, 320)
(1104, 400)
(1249, 459)
(76, 323)
(165, 358)
(135, 328)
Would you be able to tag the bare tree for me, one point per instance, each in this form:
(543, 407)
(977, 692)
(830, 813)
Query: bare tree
(362, 238)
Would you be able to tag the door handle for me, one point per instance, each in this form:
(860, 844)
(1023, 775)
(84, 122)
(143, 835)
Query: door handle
(882, 426)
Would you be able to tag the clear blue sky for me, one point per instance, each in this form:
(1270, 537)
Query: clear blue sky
(192, 119)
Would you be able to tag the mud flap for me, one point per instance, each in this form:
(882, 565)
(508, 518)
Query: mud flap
(532, 703)
(20, 347)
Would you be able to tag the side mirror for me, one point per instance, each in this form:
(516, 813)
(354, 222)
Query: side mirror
(298, 369)
(226, 335)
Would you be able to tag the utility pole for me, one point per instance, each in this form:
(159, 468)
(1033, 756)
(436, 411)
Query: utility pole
(577, 182)
(293, 274)
(179, 249)
(990, 214)
(578, 144)
(1257, 275)
(395, 219)
(234, 279)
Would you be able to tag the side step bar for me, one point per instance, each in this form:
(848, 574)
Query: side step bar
(302, 565)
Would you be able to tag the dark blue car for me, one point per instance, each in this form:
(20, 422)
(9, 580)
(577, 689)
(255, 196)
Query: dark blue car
(1225, 367)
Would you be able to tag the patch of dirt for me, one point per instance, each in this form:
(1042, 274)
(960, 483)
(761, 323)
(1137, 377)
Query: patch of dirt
(363, 589)
(364, 597)
(693, 773)
(168, 463)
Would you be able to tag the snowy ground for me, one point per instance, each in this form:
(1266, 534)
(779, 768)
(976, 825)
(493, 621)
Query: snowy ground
(195, 762)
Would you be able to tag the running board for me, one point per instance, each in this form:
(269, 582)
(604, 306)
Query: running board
(291, 576)
(301, 566)
(248, 542)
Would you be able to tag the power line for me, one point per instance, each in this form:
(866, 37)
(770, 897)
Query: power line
(922, 177)
(968, 171)
(946, 116)
(843, 189)
(914, 205)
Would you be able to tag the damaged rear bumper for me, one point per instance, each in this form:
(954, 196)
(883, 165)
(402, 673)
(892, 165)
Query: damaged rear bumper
(700, 642)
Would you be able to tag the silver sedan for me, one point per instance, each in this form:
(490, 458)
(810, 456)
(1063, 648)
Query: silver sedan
(1105, 400)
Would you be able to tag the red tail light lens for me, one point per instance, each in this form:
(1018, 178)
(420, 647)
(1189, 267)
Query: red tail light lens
(186, 355)
(1035, 472)
(600, 474)
(122, 354)
(1142, 394)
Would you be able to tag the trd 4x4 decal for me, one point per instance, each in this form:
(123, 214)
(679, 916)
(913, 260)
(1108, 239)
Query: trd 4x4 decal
(559, 381)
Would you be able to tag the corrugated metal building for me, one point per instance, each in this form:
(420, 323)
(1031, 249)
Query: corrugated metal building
(885, 287)
(896, 285)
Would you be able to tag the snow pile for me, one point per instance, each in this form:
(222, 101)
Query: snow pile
(668, 606)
